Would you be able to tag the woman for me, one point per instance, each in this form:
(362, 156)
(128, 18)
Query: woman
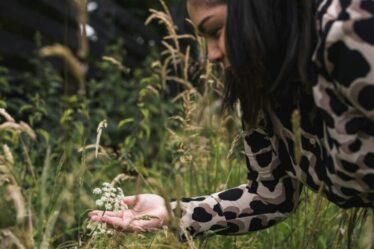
(281, 55)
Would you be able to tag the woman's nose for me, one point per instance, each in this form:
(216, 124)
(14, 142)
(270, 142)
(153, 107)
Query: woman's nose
(214, 52)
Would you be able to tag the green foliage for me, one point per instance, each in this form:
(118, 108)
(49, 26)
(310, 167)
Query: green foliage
(172, 145)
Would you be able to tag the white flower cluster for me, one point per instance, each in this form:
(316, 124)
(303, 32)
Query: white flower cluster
(110, 199)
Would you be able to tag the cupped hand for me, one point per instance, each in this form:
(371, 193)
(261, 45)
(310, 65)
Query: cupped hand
(147, 212)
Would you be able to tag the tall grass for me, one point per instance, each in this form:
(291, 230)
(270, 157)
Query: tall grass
(46, 178)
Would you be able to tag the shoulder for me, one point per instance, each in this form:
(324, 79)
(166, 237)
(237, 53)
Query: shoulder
(345, 31)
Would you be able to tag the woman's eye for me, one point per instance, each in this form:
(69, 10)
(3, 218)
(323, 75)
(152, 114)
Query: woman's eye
(215, 33)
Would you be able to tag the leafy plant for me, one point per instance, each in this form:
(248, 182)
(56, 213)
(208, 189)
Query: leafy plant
(172, 142)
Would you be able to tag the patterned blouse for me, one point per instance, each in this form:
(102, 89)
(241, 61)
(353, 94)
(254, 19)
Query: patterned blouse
(337, 148)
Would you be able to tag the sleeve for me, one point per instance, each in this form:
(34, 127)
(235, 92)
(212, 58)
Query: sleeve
(268, 198)
(345, 59)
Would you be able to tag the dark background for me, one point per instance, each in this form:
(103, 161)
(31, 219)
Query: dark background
(57, 22)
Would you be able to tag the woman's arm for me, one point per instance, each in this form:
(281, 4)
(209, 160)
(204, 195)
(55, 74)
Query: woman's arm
(268, 198)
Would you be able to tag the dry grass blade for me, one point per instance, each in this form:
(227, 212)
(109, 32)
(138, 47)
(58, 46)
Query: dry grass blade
(81, 6)
(75, 67)
(8, 239)
(119, 178)
(183, 36)
(49, 228)
(115, 62)
(296, 121)
(102, 152)
(20, 127)
(19, 202)
(174, 55)
(10, 126)
(27, 129)
(3, 179)
(186, 63)
(166, 18)
(235, 143)
(102, 125)
(317, 207)
(64, 197)
(5, 176)
(6, 115)
(185, 83)
(8, 154)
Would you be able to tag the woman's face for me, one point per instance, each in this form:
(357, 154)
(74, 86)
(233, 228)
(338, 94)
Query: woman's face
(210, 20)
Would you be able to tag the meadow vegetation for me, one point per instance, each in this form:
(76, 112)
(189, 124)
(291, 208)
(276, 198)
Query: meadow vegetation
(165, 134)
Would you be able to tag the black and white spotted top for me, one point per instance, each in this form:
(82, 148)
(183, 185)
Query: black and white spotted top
(337, 147)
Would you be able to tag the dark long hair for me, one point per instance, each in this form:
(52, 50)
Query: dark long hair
(269, 45)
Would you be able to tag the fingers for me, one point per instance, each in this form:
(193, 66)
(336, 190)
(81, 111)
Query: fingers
(144, 225)
(129, 224)
(96, 218)
(108, 213)
(130, 200)
(95, 213)
(115, 222)
(124, 214)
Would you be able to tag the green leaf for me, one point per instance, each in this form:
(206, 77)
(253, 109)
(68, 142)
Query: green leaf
(68, 113)
(44, 134)
(25, 108)
(124, 122)
(3, 104)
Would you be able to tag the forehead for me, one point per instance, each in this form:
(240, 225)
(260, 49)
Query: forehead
(199, 9)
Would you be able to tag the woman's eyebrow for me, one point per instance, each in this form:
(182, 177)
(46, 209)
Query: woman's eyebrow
(200, 27)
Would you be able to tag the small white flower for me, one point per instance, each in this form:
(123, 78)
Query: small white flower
(116, 206)
(108, 206)
(97, 191)
(106, 184)
(99, 203)
(110, 199)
